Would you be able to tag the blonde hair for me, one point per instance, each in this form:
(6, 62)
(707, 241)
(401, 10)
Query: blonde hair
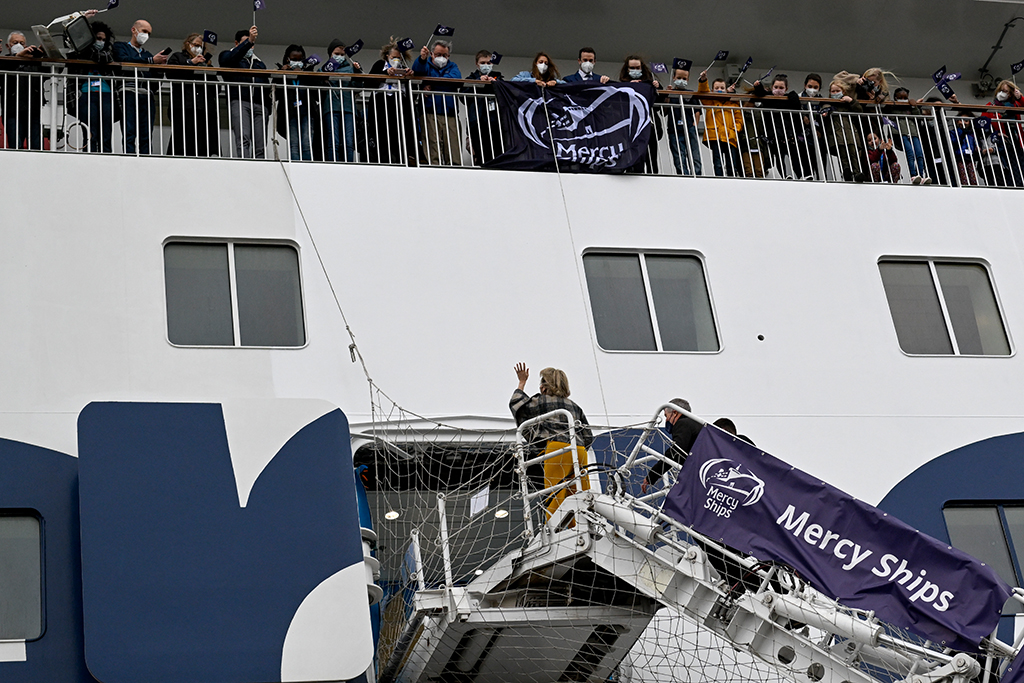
(556, 381)
(1008, 83)
(187, 45)
(880, 75)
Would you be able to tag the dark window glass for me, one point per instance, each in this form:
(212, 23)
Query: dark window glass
(978, 531)
(21, 597)
(915, 308)
(618, 300)
(972, 309)
(198, 294)
(269, 300)
(681, 303)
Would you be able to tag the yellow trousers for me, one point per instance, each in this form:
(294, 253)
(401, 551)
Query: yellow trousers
(559, 469)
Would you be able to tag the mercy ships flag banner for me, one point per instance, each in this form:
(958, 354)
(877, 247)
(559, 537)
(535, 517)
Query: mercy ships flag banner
(846, 549)
(588, 126)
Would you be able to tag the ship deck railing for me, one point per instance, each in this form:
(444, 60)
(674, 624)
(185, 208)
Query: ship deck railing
(313, 117)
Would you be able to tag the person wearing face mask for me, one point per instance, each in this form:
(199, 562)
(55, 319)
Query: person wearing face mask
(810, 136)
(193, 107)
(723, 122)
(1007, 130)
(89, 94)
(841, 126)
(383, 117)
(684, 117)
(585, 73)
(781, 124)
(440, 117)
(482, 112)
(137, 113)
(906, 111)
(543, 72)
(635, 70)
(338, 133)
(295, 104)
(248, 106)
(21, 96)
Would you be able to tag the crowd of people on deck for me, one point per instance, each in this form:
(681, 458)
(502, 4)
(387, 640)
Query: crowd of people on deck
(860, 120)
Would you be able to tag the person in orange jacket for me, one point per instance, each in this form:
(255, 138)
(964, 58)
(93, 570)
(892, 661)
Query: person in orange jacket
(722, 122)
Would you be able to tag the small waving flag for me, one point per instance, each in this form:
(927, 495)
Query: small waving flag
(938, 75)
(496, 58)
(722, 54)
(259, 4)
(746, 64)
(659, 68)
(312, 60)
(113, 3)
(442, 30)
(946, 91)
(210, 37)
(680, 63)
(406, 44)
(952, 77)
(767, 73)
(1015, 68)
(355, 47)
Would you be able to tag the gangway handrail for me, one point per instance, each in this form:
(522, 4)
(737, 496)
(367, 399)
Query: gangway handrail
(524, 463)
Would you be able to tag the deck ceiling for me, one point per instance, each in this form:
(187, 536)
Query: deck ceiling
(910, 37)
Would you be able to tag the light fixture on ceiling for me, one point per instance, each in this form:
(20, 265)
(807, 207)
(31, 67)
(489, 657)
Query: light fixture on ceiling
(391, 514)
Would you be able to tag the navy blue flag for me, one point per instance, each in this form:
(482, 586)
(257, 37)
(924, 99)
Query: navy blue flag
(767, 73)
(1015, 68)
(845, 548)
(405, 45)
(441, 30)
(355, 47)
(684, 64)
(1015, 671)
(593, 128)
(722, 54)
(330, 67)
(259, 4)
(659, 68)
(944, 88)
(312, 60)
(210, 37)
(746, 64)
(113, 3)
(495, 58)
(952, 77)
(938, 75)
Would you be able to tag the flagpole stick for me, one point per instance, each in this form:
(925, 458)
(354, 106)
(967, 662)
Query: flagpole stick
(929, 92)
(710, 65)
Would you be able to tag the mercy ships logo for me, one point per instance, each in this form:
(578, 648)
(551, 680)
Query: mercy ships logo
(729, 486)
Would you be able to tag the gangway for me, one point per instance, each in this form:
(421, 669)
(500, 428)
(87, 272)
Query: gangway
(575, 599)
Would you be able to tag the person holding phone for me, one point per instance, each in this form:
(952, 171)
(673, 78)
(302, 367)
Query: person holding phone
(137, 112)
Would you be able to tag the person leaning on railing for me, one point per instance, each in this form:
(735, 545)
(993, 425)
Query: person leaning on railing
(684, 118)
(193, 110)
(247, 103)
(635, 70)
(338, 131)
(907, 112)
(91, 99)
(138, 114)
(723, 121)
(552, 434)
(295, 104)
(781, 125)
(387, 115)
(482, 112)
(684, 432)
(841, 134)
(440, 119)
(21, 96)
(1007, 128)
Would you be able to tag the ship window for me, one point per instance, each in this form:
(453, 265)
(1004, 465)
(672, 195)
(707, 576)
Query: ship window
(650, 302)
(225, 294)
(944, 308)
(993, 534)
(21, 593)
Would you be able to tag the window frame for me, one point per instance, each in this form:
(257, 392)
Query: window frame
(931, 262)
(230, 242)
(649, 296)
(31, 512)
(1015, 562)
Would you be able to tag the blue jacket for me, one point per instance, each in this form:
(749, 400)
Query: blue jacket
(576, 78)
(126, 53)
(442, 104)
(340, 100)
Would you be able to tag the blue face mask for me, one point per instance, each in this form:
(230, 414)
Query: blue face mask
(338, 59)
(99, 44)
(248, 54)
(635, 73)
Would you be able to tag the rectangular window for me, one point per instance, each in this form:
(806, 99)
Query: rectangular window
(650, 302)
(993, 534)
(230, 294)
(21, 585)
(944, 308)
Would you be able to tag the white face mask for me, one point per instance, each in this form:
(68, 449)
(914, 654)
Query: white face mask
(542, 67)
(99, 44)
(441, 62)
(1002, 95)
(485, 69)
(196, 50)
(680, 82)
(778, 91)
(836, 96)
(141, 37)
(636, 73)
(902, 100)
(295, 65)
(812, 92)
(17, 48)
(587, 67)
(338, 59)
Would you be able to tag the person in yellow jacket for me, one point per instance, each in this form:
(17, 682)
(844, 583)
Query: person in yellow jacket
(722, 123)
